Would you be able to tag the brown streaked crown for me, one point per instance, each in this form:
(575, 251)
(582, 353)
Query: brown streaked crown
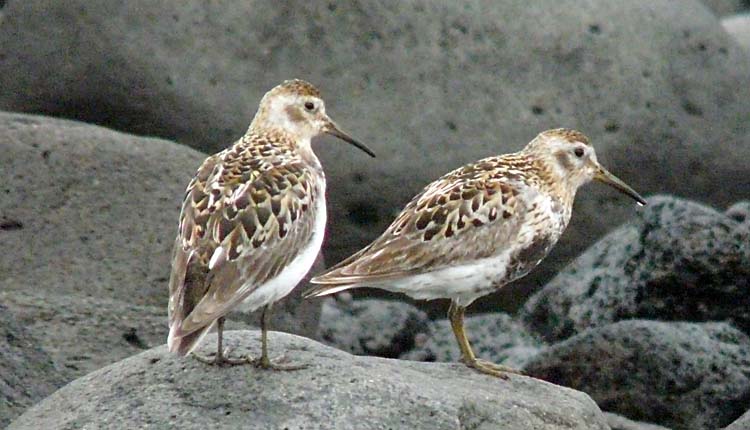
(568, 134)
(299, 87)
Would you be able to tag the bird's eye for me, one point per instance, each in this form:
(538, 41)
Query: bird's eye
(578, 152)
(310, 106)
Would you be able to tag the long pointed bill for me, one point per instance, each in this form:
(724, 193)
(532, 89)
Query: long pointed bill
(334, 130)
(602, 175)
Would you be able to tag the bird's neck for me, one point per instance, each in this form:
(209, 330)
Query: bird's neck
(554, 183)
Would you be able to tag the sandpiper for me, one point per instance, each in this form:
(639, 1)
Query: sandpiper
(252, 221)
(477, 228)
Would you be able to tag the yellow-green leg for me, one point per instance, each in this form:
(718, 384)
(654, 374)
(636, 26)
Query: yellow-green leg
(264, 362)
(220, 359)
(456, 316)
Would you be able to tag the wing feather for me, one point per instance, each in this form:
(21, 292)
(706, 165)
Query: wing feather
(459, 209)
(244, 218)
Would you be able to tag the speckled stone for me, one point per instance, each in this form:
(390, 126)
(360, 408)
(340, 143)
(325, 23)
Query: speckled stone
(679, 260)
(691, 376)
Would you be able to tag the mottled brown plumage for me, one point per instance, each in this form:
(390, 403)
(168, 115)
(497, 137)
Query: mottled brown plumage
(252, 218)
(477, 228)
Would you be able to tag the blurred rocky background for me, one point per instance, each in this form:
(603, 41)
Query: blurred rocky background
(645, 310)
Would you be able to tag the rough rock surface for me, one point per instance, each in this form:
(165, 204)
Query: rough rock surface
(680, 375)
(27, 373)
(337, 391)
(742, 423)
(678, 261)
(658, 86)
(727, 7)
(494, 337)
(617, 422)
(739, 27)
(384, 328)
(91, 215)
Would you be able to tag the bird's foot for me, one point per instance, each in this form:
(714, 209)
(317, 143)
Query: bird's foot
(222, 359)
(264, 362)
(496, 370)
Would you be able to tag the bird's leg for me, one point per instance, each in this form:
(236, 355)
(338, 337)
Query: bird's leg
(220, 359)
(456, 316)
(264, 362)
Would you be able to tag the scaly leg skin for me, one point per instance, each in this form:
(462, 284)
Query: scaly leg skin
(264, 362)
(220, 359)
(456, 317)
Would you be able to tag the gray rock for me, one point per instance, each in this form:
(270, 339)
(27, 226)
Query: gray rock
(338, 391)
(739, 27)
(618, 422)
(90, 215)
(27, 373)
(727, 7)
(494, 337)
(740, 212)
(742, 423)
(384, 328)
(658, 85)
(680, 375)
(678, 261)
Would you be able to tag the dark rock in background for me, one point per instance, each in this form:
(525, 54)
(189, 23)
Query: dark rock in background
(90, 215)
(742, 423)
(337, 391)
(739, 27)
(27, 373)
(494, 337)
(383, 328)
(678, 261)
(658, 86)
(682, 375)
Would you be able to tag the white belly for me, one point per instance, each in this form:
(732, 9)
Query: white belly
(291, 275)
(470, 280)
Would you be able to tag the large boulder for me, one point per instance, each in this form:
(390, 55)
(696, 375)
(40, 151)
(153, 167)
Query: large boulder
(87, 218)
(739, 27)
(27, 373)
(658, 85)
(679, 260)
(337, 391)
(692, 376)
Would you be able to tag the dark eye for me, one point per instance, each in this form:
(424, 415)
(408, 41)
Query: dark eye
(310, 106)
(578, 152)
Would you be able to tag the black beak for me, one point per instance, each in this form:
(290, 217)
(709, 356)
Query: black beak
(334, 130)
(603, 175)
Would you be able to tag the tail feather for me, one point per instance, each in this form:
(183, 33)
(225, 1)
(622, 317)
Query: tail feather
(185, 344)
(324, 290)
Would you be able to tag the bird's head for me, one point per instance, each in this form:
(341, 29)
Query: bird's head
(571, 160)
(296, 107)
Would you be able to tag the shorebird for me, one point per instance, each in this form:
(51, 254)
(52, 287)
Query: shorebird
(476, 229)
(252, 221)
